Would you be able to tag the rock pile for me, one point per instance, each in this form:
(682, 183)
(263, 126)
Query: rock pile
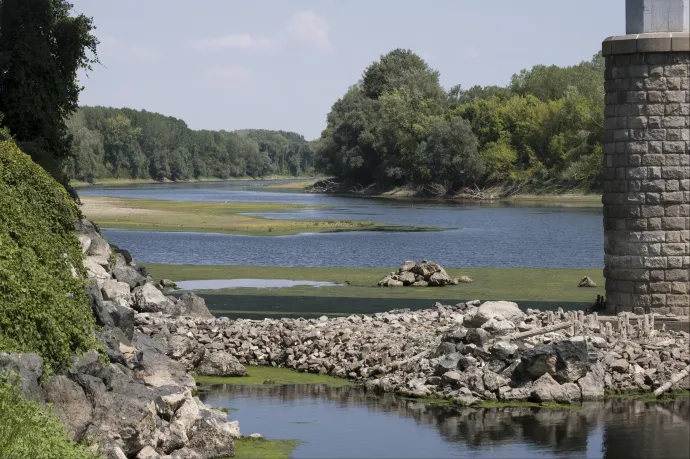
(422, 274)
(141, 405)
(467, 352)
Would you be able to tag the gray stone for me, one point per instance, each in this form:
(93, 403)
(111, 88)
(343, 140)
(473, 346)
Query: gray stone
(29, 369)
(70, 404)
(502, 310)
(504, 350)
(148, 298)
(477, 336)
(129, 275)
(193, 305)
(586, 282)
(620, 366)
(220, 364)
(592, 384)
(447, 363)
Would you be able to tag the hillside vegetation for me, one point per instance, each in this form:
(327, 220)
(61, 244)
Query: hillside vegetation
(42, 293)
(398, 127)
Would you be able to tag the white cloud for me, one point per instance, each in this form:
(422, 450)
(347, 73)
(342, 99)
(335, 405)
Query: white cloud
(239, 41)
(225, 75)
(110, 47)
(309, 28)
(304, 27)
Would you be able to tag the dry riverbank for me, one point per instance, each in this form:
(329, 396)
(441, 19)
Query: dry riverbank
(213, 217)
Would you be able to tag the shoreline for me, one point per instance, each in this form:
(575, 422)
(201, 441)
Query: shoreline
(116, 182)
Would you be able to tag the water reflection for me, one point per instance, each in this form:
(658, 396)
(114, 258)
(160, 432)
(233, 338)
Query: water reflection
(320, 416)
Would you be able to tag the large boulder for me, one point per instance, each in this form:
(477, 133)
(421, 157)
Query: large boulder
(148, 298)
(129, 275)
(29, 368)
(99, 250)
(592, 385)
(220, 364)
(157, 370)
(116, 291)
(546, 389)
(566, 360)
(111, 315)
(447, 363)
(95, 270)
(190, 304)
(70, 404)
(501, 310)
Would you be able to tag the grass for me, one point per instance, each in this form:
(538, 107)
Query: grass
(300, 185)
(537, 288)
(257, 375)
(213, 217)
(250, 448)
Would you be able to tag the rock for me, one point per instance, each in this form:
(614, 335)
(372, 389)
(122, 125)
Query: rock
(546, 389)
(111, 315)
(69, 404)
(620, 366)
(255, 436)
(572, 359)
(477, 336)
(148, 298)
(220, 364)
(116, 291)
(445, 349)
(451, 377)
(167, 283)
(538, 361)
(130, 276)
(157, 370)
(420, 283)
(407, 266)
(504, 350)
(447, 363)
(493, 382)
(99, 249)
(498, 327)
(570, 392)
(29, 368)
(456, 336)
(440, 279)
(192, 305)
(586, 282)
(464, 280)
(94, 270)
(167, 405)
(504, 310)
(407, 278)
(592, 384)
(148, 453)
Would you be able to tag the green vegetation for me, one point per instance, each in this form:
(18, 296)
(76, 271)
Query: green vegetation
(397, 126)
(257, 376)
(44, 307)
(260, 448)
(214, 217)
(132, 144)
(43, 45)
(537, 288)
(31, 430)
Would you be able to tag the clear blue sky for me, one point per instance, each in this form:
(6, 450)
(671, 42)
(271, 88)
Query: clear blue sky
(231, 64)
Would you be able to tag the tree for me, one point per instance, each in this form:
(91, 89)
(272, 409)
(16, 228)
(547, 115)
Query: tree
(42, 46)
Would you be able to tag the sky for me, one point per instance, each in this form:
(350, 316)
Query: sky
(242, 64)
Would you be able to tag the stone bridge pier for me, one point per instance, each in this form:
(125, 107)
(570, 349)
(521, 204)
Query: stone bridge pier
(647, 160)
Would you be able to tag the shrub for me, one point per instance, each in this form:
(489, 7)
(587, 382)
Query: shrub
(43, 303)
(30, 430)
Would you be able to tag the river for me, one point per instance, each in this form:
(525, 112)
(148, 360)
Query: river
(475, 235)
(348, 423)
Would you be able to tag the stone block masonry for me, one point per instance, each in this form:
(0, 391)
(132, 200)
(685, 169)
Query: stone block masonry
(646, 175)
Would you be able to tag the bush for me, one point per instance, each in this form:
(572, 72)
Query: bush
(30, 430)
(43, 303)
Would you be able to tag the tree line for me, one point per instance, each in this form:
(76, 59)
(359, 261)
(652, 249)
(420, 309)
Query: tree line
(127, 143)
(398, 126)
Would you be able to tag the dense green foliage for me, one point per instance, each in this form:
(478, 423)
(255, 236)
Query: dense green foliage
(42, 46)
(398, 126)
(43, 305)
(126, 143)
(30, 430)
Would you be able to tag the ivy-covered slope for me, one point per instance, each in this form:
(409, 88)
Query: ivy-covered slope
(43, 303)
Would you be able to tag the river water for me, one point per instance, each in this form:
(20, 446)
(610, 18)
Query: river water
(348, 423)
(476, 235)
